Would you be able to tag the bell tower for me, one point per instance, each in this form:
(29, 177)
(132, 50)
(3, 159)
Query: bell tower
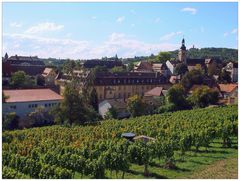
(182, 54)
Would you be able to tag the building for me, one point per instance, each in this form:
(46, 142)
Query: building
(229, 93)
(126, 84)
(25, 101)
(154, 96)
(49, 76)
(161, 68)
(119, 105)
(232, 68)
(6, 72)
(143, 66)
(108, 64)
(32, 66)
(182, 54)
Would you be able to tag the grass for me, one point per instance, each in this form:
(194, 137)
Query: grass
(216, 162)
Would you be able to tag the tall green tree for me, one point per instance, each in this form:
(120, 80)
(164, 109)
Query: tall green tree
(176, 96)
(162, 57)
(192, 77)
(203, 96)
(181, 69)
(20, 79)
(135, 106)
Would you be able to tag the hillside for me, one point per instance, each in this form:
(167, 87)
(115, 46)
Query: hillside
(185, 142)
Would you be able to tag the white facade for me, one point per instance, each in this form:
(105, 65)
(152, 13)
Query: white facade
(170, 66)
(24, 108)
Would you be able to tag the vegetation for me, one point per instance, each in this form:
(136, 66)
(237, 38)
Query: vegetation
(21, 80)
(135, 106)
(162, 57)
(181, 69)
(203, 96)
(97, 151)
(192, 77)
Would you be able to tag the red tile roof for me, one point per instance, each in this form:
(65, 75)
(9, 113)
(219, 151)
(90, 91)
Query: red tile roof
(157, 91)
(227, 87)
(28, 95)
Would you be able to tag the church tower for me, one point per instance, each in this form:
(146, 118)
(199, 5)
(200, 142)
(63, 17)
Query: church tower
(182, 54)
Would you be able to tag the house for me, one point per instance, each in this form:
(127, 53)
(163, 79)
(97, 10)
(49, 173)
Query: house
(174, 79)
(49, 76)
(229, 93)
(143, 66)
(6, 72)
(232, 68)
(154, 96)
(107, 63)
(119, 105)
(32, 66)
(171, 65)
(162, 68)
(25, 101)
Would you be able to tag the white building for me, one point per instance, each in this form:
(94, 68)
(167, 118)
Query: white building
(25, 101)
(232, 68)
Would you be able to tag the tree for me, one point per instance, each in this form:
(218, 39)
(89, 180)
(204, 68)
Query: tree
(117, 69)
(176, 96)
(40, 117)
(4, 97)
(130, 66)
(111, 114)
(192, 77)
(40, 80)
(135, 106)
(68, 66)
(203, 96)
(93, 99)
(162, 57)
(181, 69)
(10, 121)
(224, 77)
(19, 79)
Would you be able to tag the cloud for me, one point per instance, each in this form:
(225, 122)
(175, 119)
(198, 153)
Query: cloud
(234, 31)
(132, 25)
(15, 25)
(202, 29)
(188, 9)
(47, 26)
(94, 17)
(170, 35)
(120, 19)
(115, 43)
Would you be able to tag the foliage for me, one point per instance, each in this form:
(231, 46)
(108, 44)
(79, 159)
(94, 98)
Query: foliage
(19, 79)
(135, 106)
(192, 77)
(10, 121)
(203, 96)
(117, 69)
(130, 66)
(111, 114)
(162, 57)
(69, 66)
(181, 69)
(4, 97)
(176, 96)
(40, 117)
(40, 80)
(224, 77)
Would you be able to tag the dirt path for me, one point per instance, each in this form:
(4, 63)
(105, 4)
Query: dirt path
(224, 169)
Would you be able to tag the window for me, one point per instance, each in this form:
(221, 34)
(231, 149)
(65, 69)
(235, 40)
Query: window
(49, 105)
(35, 105)
(46, 105)
(29, 106)
(13, 107)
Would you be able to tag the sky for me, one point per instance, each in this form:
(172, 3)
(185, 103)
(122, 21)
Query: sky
(93, 30)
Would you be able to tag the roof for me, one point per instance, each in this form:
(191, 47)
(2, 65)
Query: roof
(160, 66)
(108, 64)
(143, 66)
(174, 79)
(30, 95)
(144, 138)
(30, 70)
(21, 60)
(157, 91)
(228, 88)
(46, 71)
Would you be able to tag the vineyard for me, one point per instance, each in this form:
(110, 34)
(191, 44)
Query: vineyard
(98, 151)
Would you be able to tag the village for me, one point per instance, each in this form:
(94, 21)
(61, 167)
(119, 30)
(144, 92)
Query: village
(150, 81)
